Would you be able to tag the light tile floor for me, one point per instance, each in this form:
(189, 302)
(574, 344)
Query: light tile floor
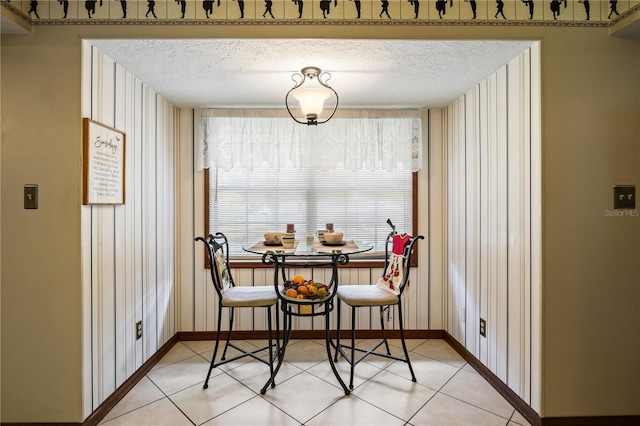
(448, 390)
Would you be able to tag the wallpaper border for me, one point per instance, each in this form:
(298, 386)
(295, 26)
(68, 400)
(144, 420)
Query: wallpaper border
(320, 22)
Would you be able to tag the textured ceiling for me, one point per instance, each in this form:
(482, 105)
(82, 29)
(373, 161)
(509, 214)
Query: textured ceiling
(256, 73)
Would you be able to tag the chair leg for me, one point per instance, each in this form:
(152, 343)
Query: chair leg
(384, 332)
(215, 349)
(277, 327)
(338, 303)
(270, 341)
(353, 345)
(404, 346)
(231, 315)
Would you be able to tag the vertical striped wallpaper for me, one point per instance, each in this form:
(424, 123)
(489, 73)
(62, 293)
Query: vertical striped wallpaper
(128, 251)
(492, 222)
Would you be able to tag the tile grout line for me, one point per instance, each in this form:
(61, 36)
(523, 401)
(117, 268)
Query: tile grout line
(437, 391)
(471, 404)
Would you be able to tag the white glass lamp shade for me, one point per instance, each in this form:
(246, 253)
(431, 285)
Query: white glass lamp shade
(311, 100)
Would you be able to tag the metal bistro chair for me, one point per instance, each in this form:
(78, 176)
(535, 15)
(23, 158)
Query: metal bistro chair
(384, 294)
(232, 296)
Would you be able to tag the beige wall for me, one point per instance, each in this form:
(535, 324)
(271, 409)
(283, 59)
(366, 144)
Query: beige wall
(41, 301)
(591, 290)
(591, 141)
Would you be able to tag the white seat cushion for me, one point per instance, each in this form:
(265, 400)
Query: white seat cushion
(366, 295)
(249, 296)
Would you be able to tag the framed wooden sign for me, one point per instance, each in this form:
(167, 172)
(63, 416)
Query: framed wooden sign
(103, 167)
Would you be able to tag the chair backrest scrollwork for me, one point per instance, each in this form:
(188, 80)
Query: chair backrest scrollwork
(217, 248)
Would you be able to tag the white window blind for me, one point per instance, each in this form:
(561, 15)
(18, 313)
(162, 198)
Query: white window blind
(244, 205)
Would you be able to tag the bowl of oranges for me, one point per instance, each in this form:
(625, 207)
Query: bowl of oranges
(300, 288)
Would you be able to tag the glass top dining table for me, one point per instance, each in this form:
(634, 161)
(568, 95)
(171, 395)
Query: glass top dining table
(309, 248)
(306, 253)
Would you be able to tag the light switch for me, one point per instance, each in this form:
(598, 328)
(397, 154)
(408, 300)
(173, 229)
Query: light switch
(624, 197)
(31, 196)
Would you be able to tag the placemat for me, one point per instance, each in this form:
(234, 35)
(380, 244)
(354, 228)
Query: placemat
(261, 246)
(349, 245)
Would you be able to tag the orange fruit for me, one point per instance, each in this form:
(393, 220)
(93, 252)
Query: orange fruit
(291, 293)
(300, 296)
(302, 289)
(298, 279)
(312, 289)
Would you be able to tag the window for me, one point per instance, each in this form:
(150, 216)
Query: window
(244, 205)
(251, 192)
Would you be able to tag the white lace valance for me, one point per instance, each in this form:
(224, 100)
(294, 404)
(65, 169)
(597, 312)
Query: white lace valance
(355, 140)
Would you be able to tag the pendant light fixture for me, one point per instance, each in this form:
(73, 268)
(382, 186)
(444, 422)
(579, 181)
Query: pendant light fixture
(311, 91)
